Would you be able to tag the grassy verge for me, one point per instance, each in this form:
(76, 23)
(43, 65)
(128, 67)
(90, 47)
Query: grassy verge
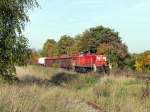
(55, 90)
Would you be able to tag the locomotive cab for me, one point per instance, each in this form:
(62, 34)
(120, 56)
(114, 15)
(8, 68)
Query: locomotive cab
(101, 64)
(86, 62)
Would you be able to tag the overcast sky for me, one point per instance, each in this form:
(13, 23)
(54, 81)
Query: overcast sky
(54, 18)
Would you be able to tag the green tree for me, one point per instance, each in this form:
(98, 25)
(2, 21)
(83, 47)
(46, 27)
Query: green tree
(130, 61)
(87, 42)
(49, 48)
(142, 62)
(21, 51)
(13, 46)
(107, 41)
(33, 57)
(76, 47)
(65, 45)
(103, 40)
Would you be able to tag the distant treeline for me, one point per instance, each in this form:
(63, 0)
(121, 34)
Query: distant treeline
(99, 40)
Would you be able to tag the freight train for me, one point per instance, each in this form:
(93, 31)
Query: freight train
(83, 62)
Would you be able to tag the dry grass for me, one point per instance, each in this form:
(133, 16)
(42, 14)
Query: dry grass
(54, 90)
(119, 95)
(36, 99)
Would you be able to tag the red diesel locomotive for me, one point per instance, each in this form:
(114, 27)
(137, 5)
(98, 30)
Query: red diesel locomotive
(82, 63)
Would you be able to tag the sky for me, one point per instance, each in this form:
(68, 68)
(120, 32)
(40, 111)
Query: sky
(54, 18)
